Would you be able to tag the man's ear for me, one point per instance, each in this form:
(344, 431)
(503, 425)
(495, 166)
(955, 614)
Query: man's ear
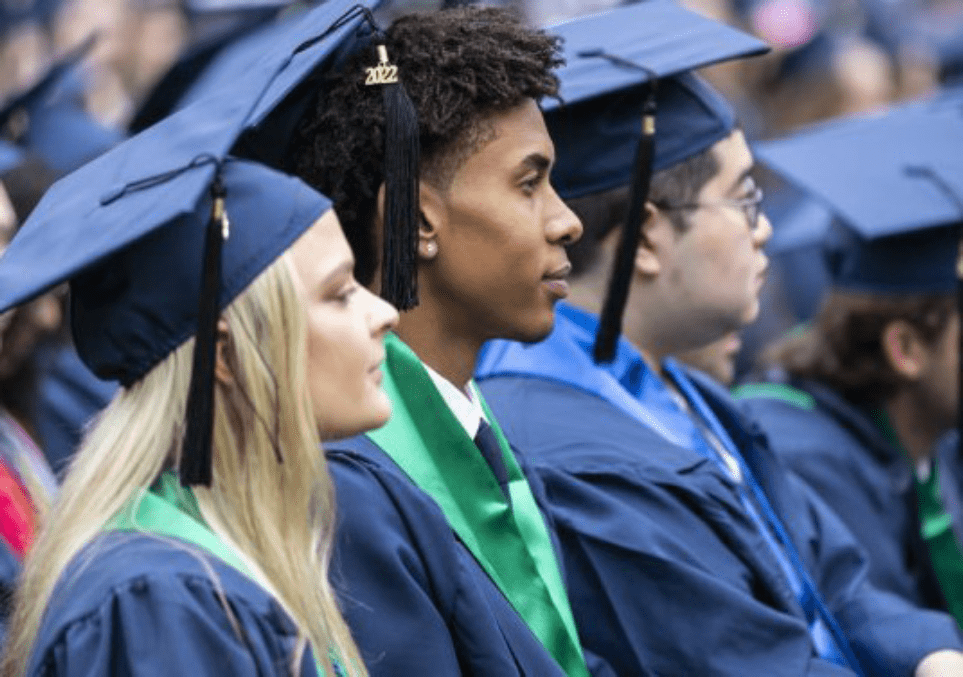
(222, 372)
(904, 349)
(653, 226)
(434, 217)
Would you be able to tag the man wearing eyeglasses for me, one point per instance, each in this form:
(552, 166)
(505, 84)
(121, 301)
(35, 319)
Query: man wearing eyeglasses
(689, 549)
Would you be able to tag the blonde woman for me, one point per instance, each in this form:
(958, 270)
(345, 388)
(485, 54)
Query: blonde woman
(135, 574)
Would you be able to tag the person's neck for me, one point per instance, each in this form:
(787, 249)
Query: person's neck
(914, 428)
(587, 292)
(426, 330)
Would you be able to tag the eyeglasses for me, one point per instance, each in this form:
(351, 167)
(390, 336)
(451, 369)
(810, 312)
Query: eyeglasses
(750, 206)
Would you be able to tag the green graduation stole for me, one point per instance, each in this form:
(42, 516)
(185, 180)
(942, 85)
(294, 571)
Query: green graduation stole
(936, 528)
(171, 510)
(510, 542)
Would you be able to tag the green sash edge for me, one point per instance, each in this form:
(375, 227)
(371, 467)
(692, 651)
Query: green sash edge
(170, 510)
(511, 543)
(776, 391)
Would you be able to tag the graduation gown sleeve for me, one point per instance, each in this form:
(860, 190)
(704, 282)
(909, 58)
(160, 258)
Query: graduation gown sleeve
(138, 606)
(665, 573)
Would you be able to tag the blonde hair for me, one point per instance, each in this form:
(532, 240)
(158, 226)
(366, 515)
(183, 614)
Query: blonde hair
(271, 497)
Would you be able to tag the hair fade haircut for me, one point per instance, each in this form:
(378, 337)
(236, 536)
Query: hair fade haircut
(460, 67)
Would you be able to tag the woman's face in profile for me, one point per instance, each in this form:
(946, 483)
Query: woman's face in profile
(346, 329)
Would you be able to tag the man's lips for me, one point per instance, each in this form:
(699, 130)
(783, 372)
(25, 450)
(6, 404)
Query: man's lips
(556, 280)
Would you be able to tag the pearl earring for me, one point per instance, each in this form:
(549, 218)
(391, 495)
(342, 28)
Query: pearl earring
(431, 248)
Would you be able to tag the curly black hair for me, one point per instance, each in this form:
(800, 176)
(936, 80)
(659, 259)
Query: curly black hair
(460, 67)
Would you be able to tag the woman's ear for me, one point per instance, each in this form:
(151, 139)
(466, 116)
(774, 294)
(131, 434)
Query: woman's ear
(222, 372)
(434, 216)
(904, 349)
(653, 223)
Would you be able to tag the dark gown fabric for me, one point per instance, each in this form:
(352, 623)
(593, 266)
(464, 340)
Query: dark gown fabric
(667, 574)
(136, 605)
(417, 601)
(9, 571)
(68, 397)
(840, 452)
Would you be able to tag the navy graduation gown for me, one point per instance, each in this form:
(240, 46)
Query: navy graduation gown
(417, 601)
(132, 604)
(667, 574)
(68, 397)
(839, 451)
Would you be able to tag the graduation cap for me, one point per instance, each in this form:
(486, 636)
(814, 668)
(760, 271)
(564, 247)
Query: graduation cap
(802, 224)
(157, 177)
(895, 184)
(48, 117)
(269, 136)
(137, 292)
(167, 93)
(626, 70)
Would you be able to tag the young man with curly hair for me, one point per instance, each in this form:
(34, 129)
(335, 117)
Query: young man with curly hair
(445, 562)
(689, 548)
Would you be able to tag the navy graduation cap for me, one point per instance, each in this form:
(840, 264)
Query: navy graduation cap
(894, 182)
(215, 25)
(174, 169)
(629, 107)
(48, 117)
(270, 132)
(135, 271)
(167, 93)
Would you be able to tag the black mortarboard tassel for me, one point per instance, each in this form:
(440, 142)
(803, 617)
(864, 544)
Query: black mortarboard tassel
(399, 277)
(196, 457)
(610, 321)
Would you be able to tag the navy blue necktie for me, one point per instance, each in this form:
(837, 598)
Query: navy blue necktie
(488, 445)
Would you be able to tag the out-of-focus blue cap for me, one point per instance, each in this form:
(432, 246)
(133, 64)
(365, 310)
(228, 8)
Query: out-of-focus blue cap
(135, 277)
(596, 126)
(895, 183)
(10, 156)
(232, 6)
(804, 223)
(15, 14)
(48, 117)
(168, 93)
